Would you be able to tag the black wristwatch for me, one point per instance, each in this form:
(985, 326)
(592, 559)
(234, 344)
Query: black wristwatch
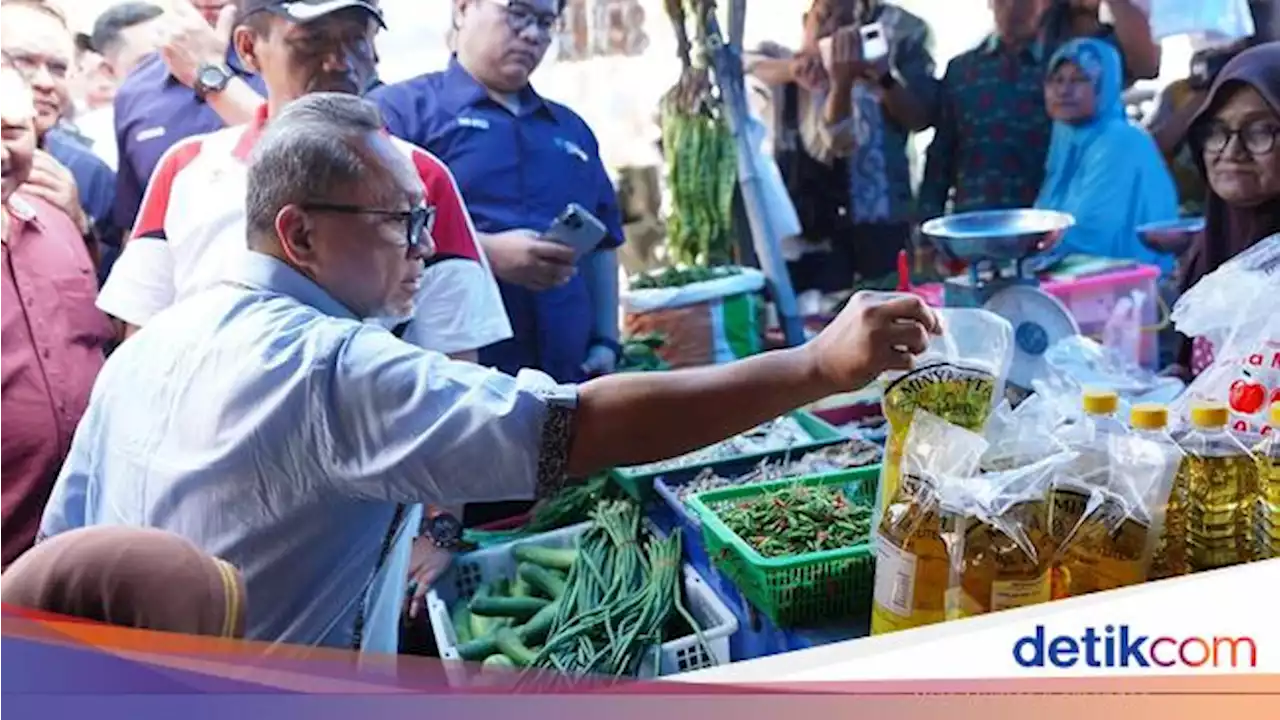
(443, 529)
(211, 79)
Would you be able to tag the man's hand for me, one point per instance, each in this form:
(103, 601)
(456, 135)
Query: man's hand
(847, 64)
(601, 360)
(189, 42)
(426, 564)
(875, 332)
(52, 182)
(522, 258)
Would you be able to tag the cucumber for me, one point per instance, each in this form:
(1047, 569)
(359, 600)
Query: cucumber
(536, 630)
(553, 558)
(520, 588)
(480, 626)
(508, 641)
(542, 580)
(461, 617)
(498, 661)
(520, 608)
(478, 649)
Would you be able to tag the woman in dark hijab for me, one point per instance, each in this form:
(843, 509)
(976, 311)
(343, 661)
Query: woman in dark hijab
(1236, 138)
(132, 577)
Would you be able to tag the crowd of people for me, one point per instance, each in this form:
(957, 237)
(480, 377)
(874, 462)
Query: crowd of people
(268, 320)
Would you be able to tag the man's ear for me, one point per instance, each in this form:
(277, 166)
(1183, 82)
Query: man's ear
(245, 40)
(294, 233)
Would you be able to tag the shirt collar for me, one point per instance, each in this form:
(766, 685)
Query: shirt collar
(252, 131)
(21, 213)
(263, 272)
(993, 44)
(462, 91)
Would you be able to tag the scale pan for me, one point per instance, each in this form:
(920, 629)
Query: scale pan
(998, 235)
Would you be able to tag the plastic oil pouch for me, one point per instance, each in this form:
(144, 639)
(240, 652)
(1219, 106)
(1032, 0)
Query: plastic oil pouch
(1022, 435)
(1001, 546)
(911, 558)
(960, 378)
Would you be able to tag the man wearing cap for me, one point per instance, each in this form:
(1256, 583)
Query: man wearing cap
(195, 84)
(191, 224)
(123, 36)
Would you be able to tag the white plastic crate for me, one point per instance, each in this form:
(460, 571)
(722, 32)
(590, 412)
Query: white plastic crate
(476, 568)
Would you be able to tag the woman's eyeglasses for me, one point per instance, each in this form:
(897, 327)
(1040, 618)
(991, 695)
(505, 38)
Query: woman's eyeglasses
(1259, 138)
(419, 221)
(522, 16)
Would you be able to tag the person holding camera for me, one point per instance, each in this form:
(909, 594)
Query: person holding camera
(844, 106)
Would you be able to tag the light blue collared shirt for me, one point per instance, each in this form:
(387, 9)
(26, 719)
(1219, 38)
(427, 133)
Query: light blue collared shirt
(265, 423)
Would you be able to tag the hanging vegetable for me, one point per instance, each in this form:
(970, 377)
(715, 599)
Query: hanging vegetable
(698, 147)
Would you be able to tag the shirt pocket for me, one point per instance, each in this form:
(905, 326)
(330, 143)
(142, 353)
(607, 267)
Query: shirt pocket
(86, 326)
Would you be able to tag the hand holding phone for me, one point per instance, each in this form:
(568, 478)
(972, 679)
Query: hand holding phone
(577, 229)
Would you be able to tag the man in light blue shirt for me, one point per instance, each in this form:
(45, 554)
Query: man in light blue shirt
(265, 422)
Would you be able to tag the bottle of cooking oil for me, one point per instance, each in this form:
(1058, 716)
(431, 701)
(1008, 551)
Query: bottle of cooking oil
(1220, 478)
(1150, 421)
(1100, 407)
(1267, 522)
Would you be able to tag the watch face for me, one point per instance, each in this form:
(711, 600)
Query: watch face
(445, 529)
(212, 77)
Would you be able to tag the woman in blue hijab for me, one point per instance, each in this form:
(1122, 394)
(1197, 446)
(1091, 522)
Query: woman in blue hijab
(1102, 169)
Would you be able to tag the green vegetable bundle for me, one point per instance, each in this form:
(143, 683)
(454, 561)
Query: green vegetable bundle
(618, 598)
(640, 354)
(698, 148)
(570, 506)
(673, 277)
(798, 519)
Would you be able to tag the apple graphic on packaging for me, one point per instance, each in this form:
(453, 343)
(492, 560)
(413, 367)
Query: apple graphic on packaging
(1247, 396)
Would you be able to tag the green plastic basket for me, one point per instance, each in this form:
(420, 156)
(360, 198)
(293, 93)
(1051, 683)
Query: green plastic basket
(639, 485)
(808, 589)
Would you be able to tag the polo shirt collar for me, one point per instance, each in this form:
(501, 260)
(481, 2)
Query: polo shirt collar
(462, 91)
(263, 272)
(993, 44)
(252, 131)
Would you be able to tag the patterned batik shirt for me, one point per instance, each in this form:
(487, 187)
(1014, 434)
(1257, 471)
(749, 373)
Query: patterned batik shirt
(992, 132)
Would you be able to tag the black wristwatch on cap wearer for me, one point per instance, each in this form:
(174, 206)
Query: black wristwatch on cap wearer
(442, 528)
(211, 79)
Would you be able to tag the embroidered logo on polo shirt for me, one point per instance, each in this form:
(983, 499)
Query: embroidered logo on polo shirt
(472, 122)
(572, 148)
(149, 134)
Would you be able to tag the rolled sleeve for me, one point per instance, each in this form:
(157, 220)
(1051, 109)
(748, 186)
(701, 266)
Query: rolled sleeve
(396, 423)
(822, 140)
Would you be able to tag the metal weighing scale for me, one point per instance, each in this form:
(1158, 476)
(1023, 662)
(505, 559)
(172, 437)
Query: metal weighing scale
(997, 246)
(1171, 237)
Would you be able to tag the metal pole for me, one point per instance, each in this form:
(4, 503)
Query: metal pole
(728, 66)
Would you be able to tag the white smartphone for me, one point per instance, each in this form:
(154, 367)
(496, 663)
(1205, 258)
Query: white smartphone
(874, 43)
(577, 229)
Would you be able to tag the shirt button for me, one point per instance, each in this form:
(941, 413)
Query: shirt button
(45, 352)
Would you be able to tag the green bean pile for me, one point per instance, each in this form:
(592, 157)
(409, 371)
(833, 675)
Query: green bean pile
(698, 148)
(672, 277)
(618, 598)
(798, 519)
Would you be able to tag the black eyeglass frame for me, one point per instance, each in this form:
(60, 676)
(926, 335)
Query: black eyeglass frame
(1268, 129)
(419, 220)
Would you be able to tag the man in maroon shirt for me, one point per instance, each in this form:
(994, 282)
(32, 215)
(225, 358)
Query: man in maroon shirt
(51, 334)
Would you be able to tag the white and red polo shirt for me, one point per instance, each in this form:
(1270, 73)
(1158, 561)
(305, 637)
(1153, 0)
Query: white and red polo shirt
(191, 227)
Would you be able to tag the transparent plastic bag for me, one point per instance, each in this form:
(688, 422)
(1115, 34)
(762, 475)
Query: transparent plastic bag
(1077, 362)
(1000, 540)
(911, 559)
(1234, 308)
(960, 378)
(1022, 435)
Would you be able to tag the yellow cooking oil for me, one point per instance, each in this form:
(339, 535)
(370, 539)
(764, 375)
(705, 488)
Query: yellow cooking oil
(1150, 421)
(1001, 561)
(1099, 540)
(1219, 477)
(963, 396)
(911, 561)
(1267, 516)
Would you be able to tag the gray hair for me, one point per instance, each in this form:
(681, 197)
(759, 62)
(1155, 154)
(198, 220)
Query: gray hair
(313, 150)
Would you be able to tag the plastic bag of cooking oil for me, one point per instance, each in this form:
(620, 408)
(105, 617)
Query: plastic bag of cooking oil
(1022, 435)
(999, 540)
(911, 559)
(959, 378)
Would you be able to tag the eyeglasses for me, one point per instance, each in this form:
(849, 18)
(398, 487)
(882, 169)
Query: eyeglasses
(419, 222)
(1259, 138)
(522, 16)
